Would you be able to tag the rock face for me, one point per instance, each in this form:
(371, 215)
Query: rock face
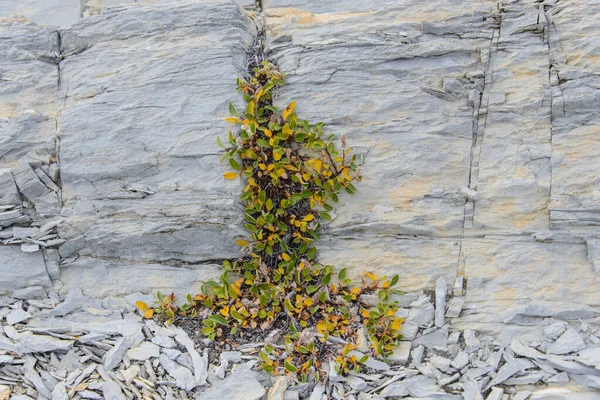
(476, 126)
(439, 98)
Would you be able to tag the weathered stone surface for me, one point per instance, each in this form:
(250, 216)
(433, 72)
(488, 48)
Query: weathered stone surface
(131, 160)
(441, 290)
(20, 270)
(401, 353)
(352, 76)
(61, 13)
(241, 384)
(16, 316)
(476, 128)
(143, 352)
(30, 81)
(568, 342)
(105, 278)
(507, 273)
(29, 293)
(576, 121)
(425, 258)
(511, 163)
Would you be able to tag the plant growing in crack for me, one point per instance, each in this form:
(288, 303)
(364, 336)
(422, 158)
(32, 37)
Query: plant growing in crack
(307, 314)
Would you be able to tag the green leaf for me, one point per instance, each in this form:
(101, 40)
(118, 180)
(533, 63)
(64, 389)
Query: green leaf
(232, 109)
(288, 305)
(263, 143)
(342, 274)
(236, 315)
(218, 319)
(234, 164)
(207, 330)
(312, 253)
(325, 216)
(267, 368)
(263, 300)
(311, 289)
(395, 280)
(220, 143)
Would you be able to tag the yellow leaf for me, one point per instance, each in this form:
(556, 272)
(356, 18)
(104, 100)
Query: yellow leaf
(230, 175)
(236, 289)
(286, 130)
(277, 156)
(289, 109)
(308, 302)
(141, 306)
(242, 243)
(285, 256)
(318, 164)
(309, 217)
(396, 325)
(268, 133)
(372, 275)
(321, 326)
(262, 166)
(347, 174)
(225, 311)
(364, 313)
(233, 120)
(386, 285)
(149, 313)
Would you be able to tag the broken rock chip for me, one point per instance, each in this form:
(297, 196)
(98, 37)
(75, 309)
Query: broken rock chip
(568, 342)
(143, 352)
(590, 356)
(240, 385)
(16, 316)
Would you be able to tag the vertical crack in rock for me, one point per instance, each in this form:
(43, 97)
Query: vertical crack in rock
(546, 34)
(257, 53)
(479, 124)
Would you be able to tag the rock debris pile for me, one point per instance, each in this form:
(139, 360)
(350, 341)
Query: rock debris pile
(78, 347)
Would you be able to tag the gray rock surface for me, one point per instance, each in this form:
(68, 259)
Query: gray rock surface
(477, 130)
(21, 270)
(103, 349)
(241, 384)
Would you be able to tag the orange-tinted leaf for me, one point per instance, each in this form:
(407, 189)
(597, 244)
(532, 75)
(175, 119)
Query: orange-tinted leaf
(141, 306)
(242, 243)
(233, 120)
(149, 313)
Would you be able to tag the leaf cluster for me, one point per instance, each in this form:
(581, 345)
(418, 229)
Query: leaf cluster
(293, 173)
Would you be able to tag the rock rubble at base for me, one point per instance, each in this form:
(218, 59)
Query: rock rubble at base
(79, 347)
